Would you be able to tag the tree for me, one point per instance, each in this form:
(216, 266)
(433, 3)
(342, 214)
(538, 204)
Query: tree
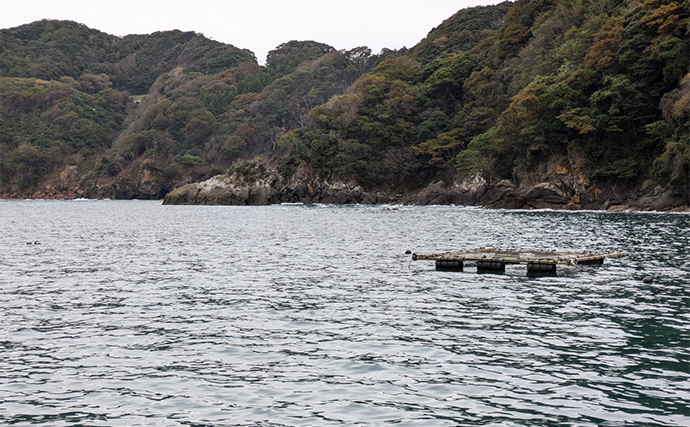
(441, 150)
(479, 157)
(26, 162)
(603, 52)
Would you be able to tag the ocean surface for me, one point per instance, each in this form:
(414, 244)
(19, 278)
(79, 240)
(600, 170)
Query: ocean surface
(130, 313)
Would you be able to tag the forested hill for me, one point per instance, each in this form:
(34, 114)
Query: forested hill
(576, 103)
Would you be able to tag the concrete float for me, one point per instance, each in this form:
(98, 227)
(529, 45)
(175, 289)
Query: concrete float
(492, 259)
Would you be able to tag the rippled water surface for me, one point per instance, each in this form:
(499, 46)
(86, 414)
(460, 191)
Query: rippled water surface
(136, 314)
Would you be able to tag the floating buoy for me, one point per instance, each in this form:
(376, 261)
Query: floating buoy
(449, 265)
(536, 267)
(491, 266)
(647, 279)
(407, 252)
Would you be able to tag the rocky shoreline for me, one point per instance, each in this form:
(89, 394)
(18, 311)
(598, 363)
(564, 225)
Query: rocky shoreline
(303, 188)
(260, 184)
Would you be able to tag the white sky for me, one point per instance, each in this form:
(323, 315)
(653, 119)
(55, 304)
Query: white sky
(257, 25)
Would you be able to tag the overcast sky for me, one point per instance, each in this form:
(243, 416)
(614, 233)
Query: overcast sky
(257, 25)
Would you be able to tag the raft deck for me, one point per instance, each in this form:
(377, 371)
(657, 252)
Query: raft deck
(492, 259)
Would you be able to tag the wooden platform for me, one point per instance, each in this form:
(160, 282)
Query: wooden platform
(492, 259)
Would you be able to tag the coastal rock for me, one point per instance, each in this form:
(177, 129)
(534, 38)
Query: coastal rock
(69, 176)
(338, 193)
(434, 194)
(655, 199)
(504, 195)
(470, 192)
(260, 184)
(546, 195)
(466, 193)
(223, 190)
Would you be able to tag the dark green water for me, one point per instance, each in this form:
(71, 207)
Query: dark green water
(137, 314)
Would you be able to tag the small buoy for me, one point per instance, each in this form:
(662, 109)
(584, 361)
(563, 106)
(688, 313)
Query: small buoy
(407, 252)
(647, 279)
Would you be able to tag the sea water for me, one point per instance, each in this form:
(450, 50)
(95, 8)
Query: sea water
(130, 313)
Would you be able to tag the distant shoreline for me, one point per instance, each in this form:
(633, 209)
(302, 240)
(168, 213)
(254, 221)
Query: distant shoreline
(613, 209)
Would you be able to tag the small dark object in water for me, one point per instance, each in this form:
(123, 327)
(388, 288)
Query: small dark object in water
(407, 252)
(535, 267)
(443, 265)
(491, 266)
(647, 279)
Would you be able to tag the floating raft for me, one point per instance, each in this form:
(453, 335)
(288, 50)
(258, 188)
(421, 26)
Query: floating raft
(492, 259)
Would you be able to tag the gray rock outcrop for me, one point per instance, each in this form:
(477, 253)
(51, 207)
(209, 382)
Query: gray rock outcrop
(265, 186)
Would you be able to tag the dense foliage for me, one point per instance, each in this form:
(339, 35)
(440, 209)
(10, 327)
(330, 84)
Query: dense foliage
(461, 32)
(50, 50)
(607, 80)
(494, 91)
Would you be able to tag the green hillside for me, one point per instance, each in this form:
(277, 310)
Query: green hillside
(591, 95)
(605, 80)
